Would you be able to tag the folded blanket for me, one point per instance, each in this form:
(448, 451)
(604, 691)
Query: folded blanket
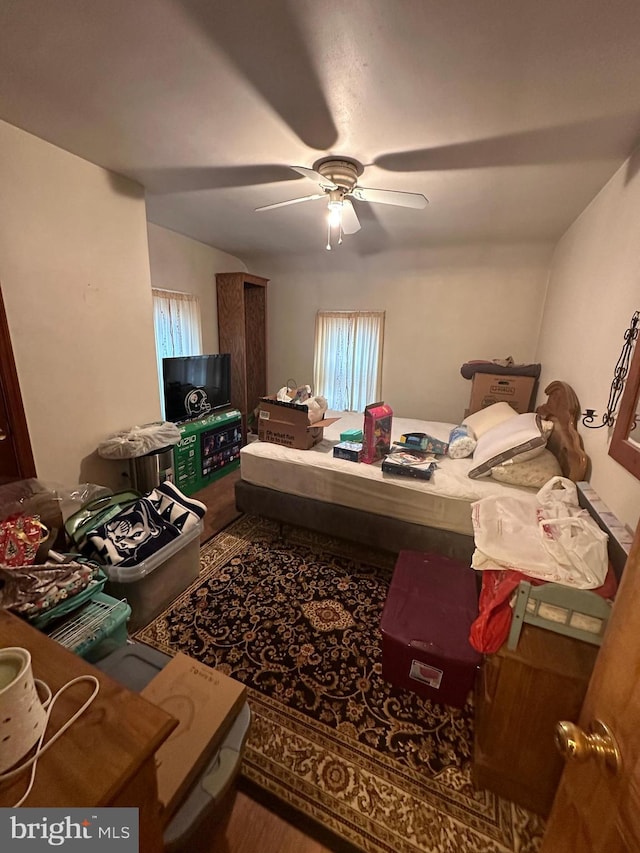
(176, 508)
(144, 527)
(131, 536)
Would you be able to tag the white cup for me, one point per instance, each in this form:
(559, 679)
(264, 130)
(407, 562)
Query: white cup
(23, 715)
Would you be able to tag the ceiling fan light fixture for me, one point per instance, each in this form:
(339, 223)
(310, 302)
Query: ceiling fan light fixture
(335, 207)
(337, 177)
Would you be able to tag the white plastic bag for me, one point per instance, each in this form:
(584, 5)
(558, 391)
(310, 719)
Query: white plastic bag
(559, 496)
(546, 536)
(139, 440)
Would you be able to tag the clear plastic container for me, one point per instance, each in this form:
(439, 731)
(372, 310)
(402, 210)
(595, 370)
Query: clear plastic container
(152, 584)
(209, 797)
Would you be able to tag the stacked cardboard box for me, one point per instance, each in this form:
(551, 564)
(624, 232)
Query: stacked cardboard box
(489, 388)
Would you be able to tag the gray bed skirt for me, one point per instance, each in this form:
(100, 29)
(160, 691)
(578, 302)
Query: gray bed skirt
(379, 531)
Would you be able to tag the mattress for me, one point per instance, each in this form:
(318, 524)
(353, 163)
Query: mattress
(443, 502)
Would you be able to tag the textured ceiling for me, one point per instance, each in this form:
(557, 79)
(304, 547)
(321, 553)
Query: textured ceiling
(509, 115)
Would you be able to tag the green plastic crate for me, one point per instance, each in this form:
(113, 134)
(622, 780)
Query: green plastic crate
(95, 629)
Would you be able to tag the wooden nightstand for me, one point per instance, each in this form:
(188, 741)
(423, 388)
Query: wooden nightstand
(520, 696)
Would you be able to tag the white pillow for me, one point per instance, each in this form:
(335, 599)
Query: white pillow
(508, 439)
(533, 473)
(484, 420)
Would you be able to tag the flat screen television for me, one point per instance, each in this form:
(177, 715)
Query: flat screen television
(196, 385)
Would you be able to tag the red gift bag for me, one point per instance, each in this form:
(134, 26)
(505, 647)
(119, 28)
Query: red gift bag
(20, 537)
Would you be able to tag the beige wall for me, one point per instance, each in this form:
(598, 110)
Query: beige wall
(74, 269)
(594, 288)
(180, 263)
(443, 307)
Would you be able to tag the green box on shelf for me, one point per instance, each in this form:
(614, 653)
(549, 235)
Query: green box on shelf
(208, 449)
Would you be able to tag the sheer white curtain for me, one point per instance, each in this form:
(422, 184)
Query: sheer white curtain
(348, 358)
(176, 320)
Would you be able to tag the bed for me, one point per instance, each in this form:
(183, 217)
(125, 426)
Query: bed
(359, 502)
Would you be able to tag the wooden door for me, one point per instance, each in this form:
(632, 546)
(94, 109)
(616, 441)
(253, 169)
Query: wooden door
(16, 458)
(595, 810)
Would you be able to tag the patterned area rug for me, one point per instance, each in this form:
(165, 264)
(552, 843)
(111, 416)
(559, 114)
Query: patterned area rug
(295, 617)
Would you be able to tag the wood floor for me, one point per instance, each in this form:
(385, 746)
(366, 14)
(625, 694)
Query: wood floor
(219, 499)
(248, 825)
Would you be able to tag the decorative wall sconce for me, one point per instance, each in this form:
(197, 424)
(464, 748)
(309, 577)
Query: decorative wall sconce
(619, 378)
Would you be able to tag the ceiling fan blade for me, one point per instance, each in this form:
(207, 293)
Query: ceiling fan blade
(181, 179)
(416, 200)
(571, 143)
(350, 221)
(314, 176)
(291, 201)
(269, 47)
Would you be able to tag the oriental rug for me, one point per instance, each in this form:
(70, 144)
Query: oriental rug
(295, 615)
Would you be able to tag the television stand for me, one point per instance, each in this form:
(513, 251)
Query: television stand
(208, 449)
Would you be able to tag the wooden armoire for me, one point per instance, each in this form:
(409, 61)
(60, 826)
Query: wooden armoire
(242, 331)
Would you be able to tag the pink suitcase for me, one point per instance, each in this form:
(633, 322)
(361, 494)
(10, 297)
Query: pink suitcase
(431, 603)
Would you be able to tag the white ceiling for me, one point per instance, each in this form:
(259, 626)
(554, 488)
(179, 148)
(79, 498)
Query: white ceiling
(509, 115)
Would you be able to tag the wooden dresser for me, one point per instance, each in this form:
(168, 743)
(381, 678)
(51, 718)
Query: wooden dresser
(106, 758)
(520, 696)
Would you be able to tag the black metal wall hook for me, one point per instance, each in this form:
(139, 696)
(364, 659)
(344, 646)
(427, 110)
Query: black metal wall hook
(619, 377)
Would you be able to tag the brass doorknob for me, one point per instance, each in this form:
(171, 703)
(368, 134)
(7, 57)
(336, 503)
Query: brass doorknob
(599, 743)
(3, 434)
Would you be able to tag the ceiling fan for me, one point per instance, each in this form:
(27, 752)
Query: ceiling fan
(338, 180)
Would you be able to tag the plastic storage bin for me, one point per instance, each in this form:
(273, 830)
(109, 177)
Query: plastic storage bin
(431, 604)
(153, 583)
(95, 629)
(134, 666)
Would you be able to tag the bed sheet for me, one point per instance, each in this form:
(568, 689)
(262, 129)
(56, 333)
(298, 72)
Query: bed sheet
(444, 501)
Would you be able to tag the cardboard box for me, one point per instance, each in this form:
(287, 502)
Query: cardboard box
(351, 435)
(376, 442)
(288, 424)
(489, 388)
(205, 702)
(349, 450)
(422, 441)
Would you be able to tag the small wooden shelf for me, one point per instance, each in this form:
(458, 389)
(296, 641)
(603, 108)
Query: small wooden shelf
(520, 696)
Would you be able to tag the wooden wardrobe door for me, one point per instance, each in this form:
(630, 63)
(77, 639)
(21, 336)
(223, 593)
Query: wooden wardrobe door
(16, 457)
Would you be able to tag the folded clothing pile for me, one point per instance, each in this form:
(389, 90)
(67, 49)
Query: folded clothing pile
(143, 527)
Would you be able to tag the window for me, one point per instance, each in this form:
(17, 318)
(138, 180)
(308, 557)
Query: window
(348, 358)
(176, 321)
